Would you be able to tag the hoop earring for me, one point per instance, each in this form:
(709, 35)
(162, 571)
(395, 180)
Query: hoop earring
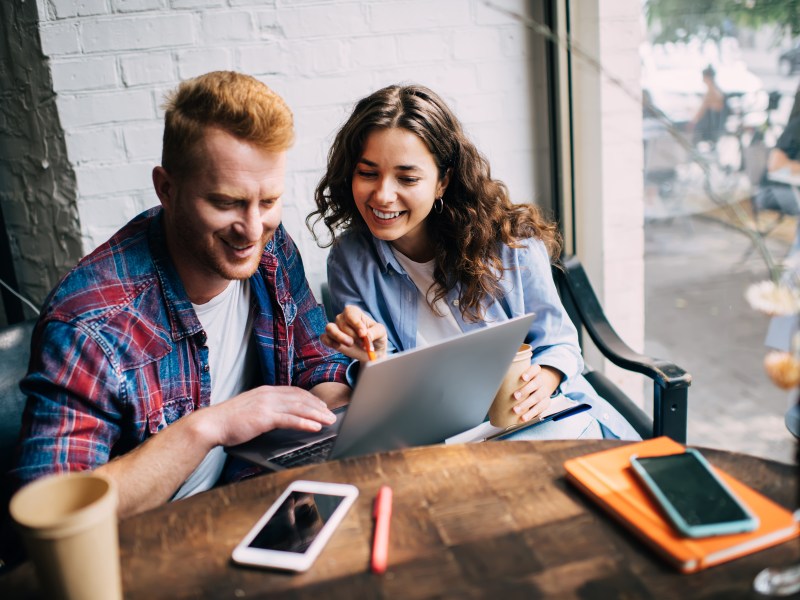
(438, 205)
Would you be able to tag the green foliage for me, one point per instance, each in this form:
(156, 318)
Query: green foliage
(678, 20)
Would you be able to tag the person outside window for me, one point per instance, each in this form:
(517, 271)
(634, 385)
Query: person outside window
(773, 195)
(709, 122)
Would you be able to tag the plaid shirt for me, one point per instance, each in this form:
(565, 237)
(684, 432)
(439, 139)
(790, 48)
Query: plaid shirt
(119, 353)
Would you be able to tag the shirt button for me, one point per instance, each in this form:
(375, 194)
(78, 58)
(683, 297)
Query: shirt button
(605, 416)
(206, 368)
(455, 302)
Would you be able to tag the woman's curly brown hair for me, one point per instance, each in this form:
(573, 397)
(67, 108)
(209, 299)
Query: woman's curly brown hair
(478, 214)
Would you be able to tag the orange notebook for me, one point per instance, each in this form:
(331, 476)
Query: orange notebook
(606, 477)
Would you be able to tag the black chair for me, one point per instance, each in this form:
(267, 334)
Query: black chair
(325, 292)
(15, 349)
(670, 382)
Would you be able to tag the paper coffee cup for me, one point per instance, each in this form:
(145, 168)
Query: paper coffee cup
(69, 525)
(501, 413)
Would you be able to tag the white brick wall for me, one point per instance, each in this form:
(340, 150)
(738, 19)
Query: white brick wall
(112, 61)
(60, 39)
(85, 74)
(84, 109)
(138, 69)
(135, 5)
(96, 145)
(195, 62)
(608, 169)
(64, 9)
(112, 34)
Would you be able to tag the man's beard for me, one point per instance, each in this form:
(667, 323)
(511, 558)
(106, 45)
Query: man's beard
(202, 250)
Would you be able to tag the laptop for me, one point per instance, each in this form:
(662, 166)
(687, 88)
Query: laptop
(412, 398)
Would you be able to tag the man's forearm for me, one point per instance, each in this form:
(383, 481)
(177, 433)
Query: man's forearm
(150, 474)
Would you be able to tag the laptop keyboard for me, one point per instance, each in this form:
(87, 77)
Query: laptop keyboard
(313, 453)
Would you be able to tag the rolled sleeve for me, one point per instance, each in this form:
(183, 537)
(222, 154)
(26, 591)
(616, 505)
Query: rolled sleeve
(552, 334)
(356, 277)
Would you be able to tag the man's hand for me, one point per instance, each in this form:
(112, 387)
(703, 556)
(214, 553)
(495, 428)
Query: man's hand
(262, 409)
(148, 476)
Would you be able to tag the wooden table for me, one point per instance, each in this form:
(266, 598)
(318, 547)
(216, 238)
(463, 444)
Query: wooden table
(492, 520)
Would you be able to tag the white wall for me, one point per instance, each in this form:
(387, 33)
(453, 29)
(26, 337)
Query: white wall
(609, 165)
(37, 191)
(112, 61)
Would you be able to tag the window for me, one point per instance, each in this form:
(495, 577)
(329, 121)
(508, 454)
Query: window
(719, 87)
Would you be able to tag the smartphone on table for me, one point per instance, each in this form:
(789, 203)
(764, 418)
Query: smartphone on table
(693, 497)
(293, 531)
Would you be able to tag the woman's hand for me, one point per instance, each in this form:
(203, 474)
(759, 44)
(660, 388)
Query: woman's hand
(534, 396)
(352, 330)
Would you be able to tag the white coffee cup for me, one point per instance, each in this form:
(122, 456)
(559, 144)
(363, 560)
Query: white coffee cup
(69, 525)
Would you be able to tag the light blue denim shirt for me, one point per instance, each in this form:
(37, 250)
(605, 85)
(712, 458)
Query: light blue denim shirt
(363, 271)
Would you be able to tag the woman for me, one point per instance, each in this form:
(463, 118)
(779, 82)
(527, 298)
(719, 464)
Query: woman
(428, 245)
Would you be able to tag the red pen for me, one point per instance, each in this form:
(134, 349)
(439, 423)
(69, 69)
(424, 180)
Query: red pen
(383, 516)
(369, 348)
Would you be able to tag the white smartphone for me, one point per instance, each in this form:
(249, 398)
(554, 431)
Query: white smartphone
(292, 533)
(693, 497)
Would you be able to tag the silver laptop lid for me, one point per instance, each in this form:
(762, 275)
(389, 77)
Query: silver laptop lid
(422, 396)
(413, 398)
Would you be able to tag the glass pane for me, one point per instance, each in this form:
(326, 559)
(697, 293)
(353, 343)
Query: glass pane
(720, 87)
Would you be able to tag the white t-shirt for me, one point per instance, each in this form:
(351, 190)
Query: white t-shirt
(228, 322)
(430, 327)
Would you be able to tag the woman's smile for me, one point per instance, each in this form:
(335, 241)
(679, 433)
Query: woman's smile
(387, 216)
(395, 184)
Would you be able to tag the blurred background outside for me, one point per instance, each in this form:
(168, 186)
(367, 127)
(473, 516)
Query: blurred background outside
(699, 197)
(584, 107)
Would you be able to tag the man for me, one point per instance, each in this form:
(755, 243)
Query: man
(777, 196)
(193, 327)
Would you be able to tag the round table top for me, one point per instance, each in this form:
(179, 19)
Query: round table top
(471, 520)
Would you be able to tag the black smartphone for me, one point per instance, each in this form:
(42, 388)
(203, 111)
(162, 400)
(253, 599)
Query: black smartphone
(692, 496)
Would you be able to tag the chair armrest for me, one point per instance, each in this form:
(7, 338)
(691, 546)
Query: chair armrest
(591, 316)
(608, 390)
(670, 382)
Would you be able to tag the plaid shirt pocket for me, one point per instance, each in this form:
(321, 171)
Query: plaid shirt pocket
(168, 413)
